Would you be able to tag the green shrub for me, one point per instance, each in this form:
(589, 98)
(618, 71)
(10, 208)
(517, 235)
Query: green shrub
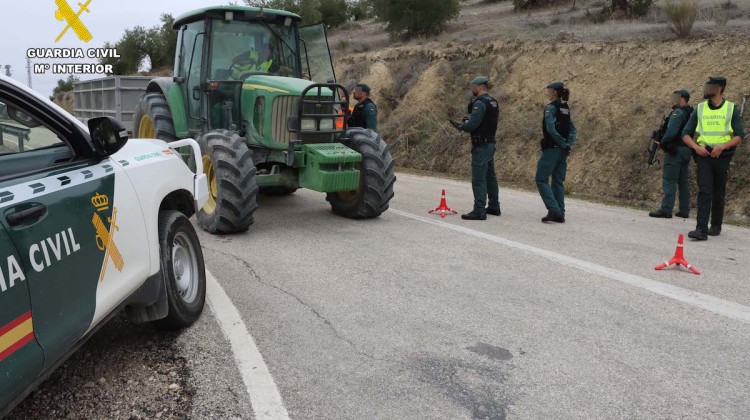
(630, 8)
(409, 18)
(530, 4)
(681, 15)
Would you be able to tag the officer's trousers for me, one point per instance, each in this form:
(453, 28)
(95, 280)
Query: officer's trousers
(483, 177)
(712, 182)
(676, 177)
(553, 163)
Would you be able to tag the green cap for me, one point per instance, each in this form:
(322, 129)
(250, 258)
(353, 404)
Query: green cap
(556, 85)
(720, 81)
(683, 93)
(481, 80)
(364, 88)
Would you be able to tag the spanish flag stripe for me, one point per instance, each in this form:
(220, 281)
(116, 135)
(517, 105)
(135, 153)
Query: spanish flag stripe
(20, 343)
(16, 322)
(16, 335)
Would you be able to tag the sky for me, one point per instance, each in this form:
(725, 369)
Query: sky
(32, 24)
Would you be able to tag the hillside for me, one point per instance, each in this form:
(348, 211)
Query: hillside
(620, 89)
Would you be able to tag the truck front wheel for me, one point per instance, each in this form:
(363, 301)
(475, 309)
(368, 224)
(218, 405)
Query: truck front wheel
(233, 191)
(182, 269)
(376, 178)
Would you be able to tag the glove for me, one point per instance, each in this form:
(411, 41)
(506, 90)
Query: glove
(566, 151)
(455, 124)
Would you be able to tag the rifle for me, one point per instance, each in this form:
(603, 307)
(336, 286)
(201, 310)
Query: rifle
(653, 145)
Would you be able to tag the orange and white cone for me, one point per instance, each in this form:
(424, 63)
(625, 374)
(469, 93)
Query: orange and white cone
(443, 208)
(679, 258)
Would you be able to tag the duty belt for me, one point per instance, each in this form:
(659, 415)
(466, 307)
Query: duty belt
(480, 140)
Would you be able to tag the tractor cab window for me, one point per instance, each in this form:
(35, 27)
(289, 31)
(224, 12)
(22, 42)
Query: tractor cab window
(316, 56)
(242, 49)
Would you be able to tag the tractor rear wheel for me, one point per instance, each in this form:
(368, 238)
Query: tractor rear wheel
(376, 178)
(232, 188)
(153, 119)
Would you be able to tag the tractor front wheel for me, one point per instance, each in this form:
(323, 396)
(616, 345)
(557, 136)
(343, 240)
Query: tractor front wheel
(153, 119)
(233, 191)
(376, 178)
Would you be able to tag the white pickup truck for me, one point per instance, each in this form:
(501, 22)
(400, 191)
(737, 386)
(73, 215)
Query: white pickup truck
(90, 223)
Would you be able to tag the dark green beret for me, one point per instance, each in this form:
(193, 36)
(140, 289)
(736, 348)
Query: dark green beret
(683, 93)
(556, 85)
(364, 88)
(720, 81)
(481, 80)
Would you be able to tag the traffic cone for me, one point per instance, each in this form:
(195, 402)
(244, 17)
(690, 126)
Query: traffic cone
(443, 207)
(679, 258)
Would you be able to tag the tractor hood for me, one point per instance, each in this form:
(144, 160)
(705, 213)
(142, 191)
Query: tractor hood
(280, 85)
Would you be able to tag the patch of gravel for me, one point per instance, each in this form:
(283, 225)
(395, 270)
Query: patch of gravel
(128, 371)
(124, 371)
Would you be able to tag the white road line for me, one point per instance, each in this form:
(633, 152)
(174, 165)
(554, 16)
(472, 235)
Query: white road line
(710, 303)
(264, 395)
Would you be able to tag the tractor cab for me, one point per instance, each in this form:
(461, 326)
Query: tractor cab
(228, 49)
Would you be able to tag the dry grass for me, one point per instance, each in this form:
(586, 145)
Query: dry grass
(682, 15)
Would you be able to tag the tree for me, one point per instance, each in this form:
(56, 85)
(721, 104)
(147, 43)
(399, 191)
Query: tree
(410, 18)
(158, 44)
(361, 9)
(63, 86)
(334, 12)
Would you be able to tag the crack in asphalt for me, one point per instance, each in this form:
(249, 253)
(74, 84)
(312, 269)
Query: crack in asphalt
(325, 320)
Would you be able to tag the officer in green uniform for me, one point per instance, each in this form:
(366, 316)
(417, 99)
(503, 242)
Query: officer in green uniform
(365, 113)
(484, 114)
(559, 136)
(713, 131)
(677, 158)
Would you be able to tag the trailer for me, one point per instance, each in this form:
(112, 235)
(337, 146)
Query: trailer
(115, 96)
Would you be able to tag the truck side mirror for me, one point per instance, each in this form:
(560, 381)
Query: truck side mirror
(107, 135)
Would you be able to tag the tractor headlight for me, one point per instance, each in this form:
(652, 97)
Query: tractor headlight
(326, 125)
(307, 124)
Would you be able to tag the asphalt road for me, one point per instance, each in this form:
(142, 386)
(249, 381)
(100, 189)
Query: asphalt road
(401, 317)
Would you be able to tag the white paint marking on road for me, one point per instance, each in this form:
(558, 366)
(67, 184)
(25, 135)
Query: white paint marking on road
(710, 303)
(264, 395)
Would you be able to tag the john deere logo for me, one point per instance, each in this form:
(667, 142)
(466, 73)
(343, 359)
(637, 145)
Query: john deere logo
(65, 13)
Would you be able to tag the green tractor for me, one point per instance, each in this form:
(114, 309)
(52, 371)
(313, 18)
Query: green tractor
(258, 93)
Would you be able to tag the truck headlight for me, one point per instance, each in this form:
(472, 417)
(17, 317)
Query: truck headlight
(307, 124)
(326, 125)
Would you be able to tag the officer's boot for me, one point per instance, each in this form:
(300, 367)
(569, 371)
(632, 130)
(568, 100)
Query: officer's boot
(659, 214)
(494, 212)
(553, 217)
(699, 234)
(715, 230)
(474, 215)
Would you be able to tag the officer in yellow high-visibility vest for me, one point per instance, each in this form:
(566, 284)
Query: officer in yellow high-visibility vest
(713, 131)
(251, 62)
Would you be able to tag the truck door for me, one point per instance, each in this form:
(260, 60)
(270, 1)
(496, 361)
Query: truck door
(60, 211)
(315, 54)
(21, 357)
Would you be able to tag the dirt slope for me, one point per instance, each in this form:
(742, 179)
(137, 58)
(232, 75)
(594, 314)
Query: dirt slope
(619, 93)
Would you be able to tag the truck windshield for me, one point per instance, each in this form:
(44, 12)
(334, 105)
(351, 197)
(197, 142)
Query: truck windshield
(241, 49)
